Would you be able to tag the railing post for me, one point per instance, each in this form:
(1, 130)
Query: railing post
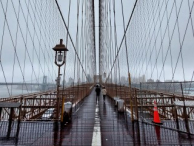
(185, 112)
(163, 102)
(131, 103)
(136, 105)
(176, 115)
(81, 93)
(0, 112)
(18, 126)
(62, 108)
(10, 121)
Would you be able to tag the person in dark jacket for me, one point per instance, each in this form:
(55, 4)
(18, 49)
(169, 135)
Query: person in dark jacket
(98, 90)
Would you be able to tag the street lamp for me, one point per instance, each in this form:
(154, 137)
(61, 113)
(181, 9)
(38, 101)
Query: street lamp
(60, 53)
(60, 59)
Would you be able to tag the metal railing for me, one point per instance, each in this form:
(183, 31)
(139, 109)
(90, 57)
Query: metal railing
(175, 106)
(33, 106)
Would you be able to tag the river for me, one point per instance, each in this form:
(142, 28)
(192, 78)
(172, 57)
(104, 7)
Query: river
(13, 92)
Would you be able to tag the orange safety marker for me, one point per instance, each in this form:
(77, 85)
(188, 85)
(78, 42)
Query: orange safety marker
(156, 114)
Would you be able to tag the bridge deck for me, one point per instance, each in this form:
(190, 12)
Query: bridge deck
(113, 126)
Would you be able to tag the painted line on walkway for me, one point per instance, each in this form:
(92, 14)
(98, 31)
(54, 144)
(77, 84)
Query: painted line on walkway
(91, 86)
(96, 139)
(77, 110)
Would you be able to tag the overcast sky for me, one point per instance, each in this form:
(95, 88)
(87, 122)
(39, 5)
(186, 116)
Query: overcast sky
(127, 6)
(159, 45)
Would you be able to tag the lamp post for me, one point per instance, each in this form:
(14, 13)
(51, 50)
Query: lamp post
(60, 59)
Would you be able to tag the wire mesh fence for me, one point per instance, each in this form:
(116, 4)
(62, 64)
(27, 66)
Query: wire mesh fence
(42, 106)
(174, 102)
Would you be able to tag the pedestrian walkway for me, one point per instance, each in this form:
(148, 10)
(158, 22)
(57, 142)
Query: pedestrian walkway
(114, 130)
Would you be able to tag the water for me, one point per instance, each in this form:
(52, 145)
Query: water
(13, 92)
(189, 93)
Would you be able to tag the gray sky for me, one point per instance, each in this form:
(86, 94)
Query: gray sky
(119, 23)
(26, 45)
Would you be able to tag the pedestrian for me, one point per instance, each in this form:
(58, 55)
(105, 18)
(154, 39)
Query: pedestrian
(97, 92)
(104, 92)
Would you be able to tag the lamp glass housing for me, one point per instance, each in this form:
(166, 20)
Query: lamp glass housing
(60, 57)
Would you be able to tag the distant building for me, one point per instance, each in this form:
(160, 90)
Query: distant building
(142, 78)
(70, 82)
(168, 81)
(150, 80)
(139, 79)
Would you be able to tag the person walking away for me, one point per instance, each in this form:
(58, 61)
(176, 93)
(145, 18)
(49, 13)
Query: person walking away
(97, 92)
(104, 93)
